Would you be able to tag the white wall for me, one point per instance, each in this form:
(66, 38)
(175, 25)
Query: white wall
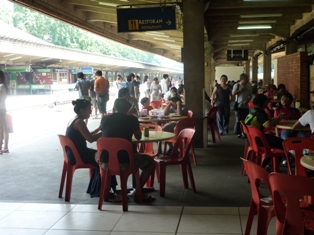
(233, 73)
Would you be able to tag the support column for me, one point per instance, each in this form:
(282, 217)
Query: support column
(193, 44)
(247, 68)
(267, 67)
(209, 68)
(254, 68)
(291, 46)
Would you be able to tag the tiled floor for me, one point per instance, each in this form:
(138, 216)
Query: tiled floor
(75, 219)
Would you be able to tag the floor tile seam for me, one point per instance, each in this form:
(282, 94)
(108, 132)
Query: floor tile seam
(240, 220)
(179, 221)
(11, 211)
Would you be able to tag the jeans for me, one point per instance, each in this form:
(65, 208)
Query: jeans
(240, 114)
(223, 115)
(289, 133)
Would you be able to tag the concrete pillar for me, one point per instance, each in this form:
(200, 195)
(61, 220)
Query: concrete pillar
(209, 67)
(254, 68)
(247, 68)
(267, 67)
(291, 46)
(193, 44)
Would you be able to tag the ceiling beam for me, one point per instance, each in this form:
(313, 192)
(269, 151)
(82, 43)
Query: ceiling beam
(258, 10)
(94, 17)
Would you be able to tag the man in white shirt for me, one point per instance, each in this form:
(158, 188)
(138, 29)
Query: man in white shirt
(306, 119)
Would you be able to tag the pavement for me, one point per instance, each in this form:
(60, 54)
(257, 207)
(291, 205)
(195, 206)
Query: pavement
(31, 172)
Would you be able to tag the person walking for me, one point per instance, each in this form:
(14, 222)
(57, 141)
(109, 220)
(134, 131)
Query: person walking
(243, 94)
(93, 97)
(102, 90)
(4, 134)
(222, 92)
(82, 86)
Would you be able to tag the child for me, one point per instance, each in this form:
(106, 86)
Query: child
(145, 102)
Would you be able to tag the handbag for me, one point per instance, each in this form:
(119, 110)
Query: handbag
(236, 105)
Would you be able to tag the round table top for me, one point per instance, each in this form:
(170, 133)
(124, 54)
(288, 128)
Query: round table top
(171, 118)
(288, 124)
(308, 162)
(154, 136)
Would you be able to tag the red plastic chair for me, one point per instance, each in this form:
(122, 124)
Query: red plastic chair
(182, 124)
(156, 104)
(148, 149)
(312, 136)
(248, 149)
(260, 204)
(263, 152)
(68, 169)
(212, 122)
(294, 216)
(183, 160)
(297, 145)
(113, 146)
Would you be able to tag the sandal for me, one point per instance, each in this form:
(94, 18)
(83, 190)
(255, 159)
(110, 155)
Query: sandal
(146, 198)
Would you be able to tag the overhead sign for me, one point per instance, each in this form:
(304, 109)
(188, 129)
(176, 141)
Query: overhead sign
(146, 19)
(86, 70)
(237, 55)
(18, 69)
(43, 70)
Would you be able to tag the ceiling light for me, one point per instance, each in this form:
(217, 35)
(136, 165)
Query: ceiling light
(108, 4)
(158, 35)
(155, 32)
(8, 55)
(260, 15)
(46, 59)
(243, 35)
(167, 40)
(255, 27)
(15, 58)
(233, 41)
(257, 22)
(239, 44)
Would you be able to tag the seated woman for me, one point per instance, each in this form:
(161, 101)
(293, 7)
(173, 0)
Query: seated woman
(174, 104)
(78, 132)
(290, 114)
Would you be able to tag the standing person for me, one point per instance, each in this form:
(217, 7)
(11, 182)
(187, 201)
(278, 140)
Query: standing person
(122, 125)
(155, 90)
(243, 94)
(82, 86)
(4, 134)
(222, 93)
(119, 82)
(102, 90)
(136, 86)
(147, 86)
(130, 84)
(93, 97)
(164, 84)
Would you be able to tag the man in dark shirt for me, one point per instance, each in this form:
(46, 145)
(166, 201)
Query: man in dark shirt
(122, 125)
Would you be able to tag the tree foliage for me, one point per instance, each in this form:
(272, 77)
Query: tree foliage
(66, 35)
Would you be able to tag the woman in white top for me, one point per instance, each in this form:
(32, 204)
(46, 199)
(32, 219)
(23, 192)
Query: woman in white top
(4, 135)
(147, 86)
(155, 90)
(119, 82)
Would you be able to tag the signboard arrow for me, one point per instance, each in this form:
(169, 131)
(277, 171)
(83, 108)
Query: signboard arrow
(146, 19)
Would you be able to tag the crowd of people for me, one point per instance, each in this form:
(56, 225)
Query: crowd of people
(261, 107)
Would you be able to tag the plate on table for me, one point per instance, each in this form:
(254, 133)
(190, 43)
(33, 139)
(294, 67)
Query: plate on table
(310, 155)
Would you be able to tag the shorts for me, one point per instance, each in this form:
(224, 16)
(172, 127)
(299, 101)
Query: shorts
(102, 103)
(94, 102)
